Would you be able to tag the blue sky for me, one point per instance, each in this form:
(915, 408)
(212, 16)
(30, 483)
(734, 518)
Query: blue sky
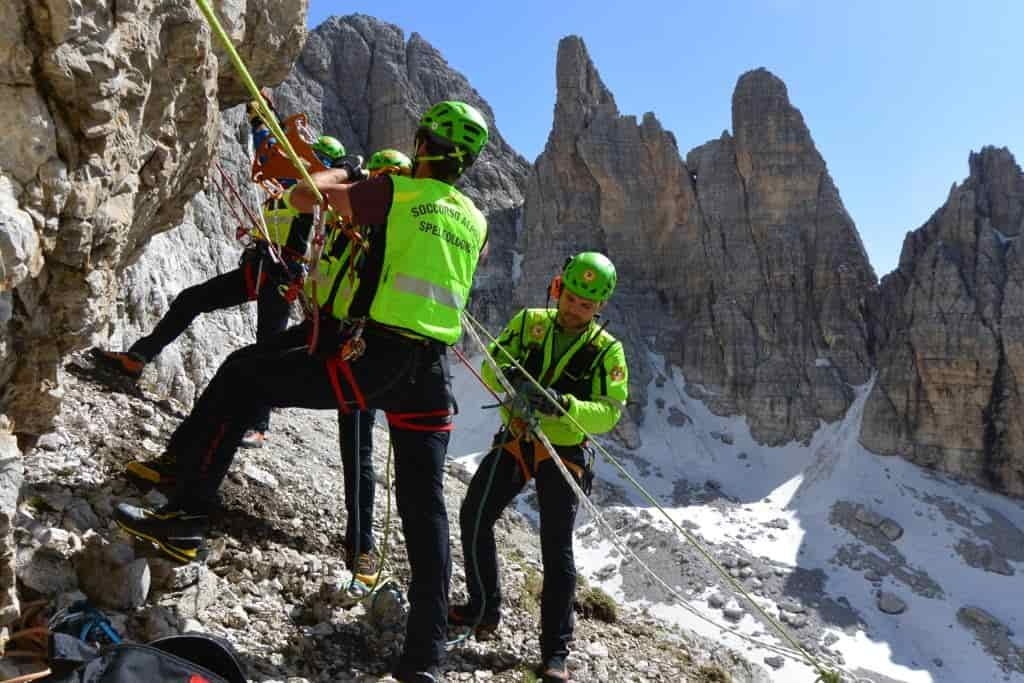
(896, 94)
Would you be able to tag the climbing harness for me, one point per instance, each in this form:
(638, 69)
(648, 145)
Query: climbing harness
(86, 623)
(300, 168)
(797, 652)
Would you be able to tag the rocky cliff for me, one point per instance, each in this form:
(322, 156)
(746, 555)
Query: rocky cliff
(740, 263)
(360, 80)
(384, 82)
(949, 334)
(116, 108)
(112, 113)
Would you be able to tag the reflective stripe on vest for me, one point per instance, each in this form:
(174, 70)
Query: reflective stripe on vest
(428, 290)
(434, 237)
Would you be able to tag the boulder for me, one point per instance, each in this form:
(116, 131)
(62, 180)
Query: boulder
(890, 603)
(111, 575)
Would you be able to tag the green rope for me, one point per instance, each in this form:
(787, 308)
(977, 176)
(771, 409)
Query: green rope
(262, 107)
(799, 651)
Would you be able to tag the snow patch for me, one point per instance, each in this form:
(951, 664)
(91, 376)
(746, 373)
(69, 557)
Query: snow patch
(775, 503)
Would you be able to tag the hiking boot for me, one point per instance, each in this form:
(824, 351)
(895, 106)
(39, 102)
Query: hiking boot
(366, 568)
(160, 471)
(124, 362)
(554, 670)
(178, 533)
(484, 625)
(428, 675)
(253, 439)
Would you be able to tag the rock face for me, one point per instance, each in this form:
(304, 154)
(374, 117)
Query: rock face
(949, 335)
(361, 81)
(201, 247)
(204, 244)
(12, 473)
(741, 262)
(116, 108)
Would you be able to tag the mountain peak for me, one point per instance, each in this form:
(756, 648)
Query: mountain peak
(581, 92)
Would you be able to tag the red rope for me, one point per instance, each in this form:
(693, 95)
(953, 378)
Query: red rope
(234, 211)
(234, 192)
(475, 373)
(275, 251)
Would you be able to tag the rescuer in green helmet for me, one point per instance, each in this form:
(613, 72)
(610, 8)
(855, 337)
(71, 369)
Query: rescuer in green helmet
(423, 245)
(388, 161)
(271, 259)
(583, 370)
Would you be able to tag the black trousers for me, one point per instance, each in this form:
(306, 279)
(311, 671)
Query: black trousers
(496, 483)
(359, 489)
(223, 291)
(407, 379)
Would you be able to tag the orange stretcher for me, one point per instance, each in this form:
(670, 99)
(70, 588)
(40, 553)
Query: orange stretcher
(270, 161)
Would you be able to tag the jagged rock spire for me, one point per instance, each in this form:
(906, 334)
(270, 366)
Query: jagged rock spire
(741, 263)
(580, 90)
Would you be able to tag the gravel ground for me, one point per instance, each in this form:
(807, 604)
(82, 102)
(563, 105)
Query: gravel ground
(272, 582)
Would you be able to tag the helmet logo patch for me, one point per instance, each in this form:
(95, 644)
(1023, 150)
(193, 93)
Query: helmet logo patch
(537, 331)
(589, 275)
(617, 373)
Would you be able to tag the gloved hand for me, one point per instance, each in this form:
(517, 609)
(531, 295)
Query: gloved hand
(514, 375)
(543, 405)
(255, 120)
(353, 165)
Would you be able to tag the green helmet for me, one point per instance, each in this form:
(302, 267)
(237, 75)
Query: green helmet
(389, 158)
(590, 275)
(456, 124)
(329, 147)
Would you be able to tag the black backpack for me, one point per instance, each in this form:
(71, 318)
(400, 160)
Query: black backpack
(188, 658)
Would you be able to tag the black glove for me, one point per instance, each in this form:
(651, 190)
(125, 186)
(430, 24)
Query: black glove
(543, 405)
(514, 375)
(353, 165)
(255, 119)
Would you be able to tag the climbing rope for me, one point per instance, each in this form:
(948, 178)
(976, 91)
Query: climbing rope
(266, 113)
(797, 652)
(479, 617)
(255, 218)
(262, 108)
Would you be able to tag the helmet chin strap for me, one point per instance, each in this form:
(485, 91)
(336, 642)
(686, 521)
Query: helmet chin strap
(458, 154)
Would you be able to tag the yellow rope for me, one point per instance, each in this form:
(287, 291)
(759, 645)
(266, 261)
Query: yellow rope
(262, 107)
